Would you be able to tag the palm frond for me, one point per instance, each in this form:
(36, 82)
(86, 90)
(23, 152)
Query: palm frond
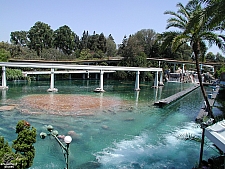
(178, 41)
(189, 137)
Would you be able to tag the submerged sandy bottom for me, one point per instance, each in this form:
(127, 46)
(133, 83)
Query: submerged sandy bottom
(60, 104)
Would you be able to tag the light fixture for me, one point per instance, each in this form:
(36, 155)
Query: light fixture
(67, 140)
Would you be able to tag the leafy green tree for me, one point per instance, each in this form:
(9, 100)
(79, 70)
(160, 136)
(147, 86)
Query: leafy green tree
(84, 40)
(23, 157)
(219, 71)
(122, 46)
(64, 39)
(19, 38)
(102, 43)
(215, 9)
(146, 38)
(197, 35)
(14, 74)
(24, 142)
(110, 46)
(210, 57)
(85, 54)
(4, 55)
(184, 52)
(93, 42)
(219, 58)
(155, 50)
(40, 36)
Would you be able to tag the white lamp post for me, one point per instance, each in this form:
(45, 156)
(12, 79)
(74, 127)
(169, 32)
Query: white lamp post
(67, 140)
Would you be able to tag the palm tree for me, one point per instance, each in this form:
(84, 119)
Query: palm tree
(196, 35)
(216, 10)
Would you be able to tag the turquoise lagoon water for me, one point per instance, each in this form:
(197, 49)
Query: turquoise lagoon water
(134, 135)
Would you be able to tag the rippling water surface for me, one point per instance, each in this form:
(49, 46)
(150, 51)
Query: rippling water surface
(132, 135)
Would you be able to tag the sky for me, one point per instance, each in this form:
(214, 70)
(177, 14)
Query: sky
(115, 17)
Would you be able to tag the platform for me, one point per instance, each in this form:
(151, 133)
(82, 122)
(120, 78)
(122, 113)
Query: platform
(211, 100)
(175, 97)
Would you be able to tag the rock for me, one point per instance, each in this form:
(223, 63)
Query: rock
(61, 136)
(85, 114)
(105, 127)
(6, 108)
(73, 134)
(129, 119)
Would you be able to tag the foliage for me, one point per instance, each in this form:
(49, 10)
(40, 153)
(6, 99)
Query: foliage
(221, 99)
(68, 46)
(218, 72)
(64, 39)
(110, 46)
(215, 10)
(197, 35)
(14, 74)
(85, 54)
(4, 55)
(24, 142)
(190, 137)
(19, 38)
(120, 75)
(24, 155)
(40, 36)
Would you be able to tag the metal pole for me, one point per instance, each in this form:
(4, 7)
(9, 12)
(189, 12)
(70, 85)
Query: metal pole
(202, 146)
(67, 156)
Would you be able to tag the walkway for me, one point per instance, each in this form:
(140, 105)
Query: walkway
(211, 99)
(175, 97)
(101, 70)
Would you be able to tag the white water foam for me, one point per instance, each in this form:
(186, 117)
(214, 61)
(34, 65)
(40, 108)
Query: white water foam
(140, 152)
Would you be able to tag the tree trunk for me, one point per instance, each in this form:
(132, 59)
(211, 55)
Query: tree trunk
(208, 108)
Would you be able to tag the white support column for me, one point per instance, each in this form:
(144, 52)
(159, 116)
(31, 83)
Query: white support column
(161, 79)
(156, 82)
(101, 80)
(52, 89)
(137, 81)
(156, 94)
(83, 75)
(4, 97)
(88, 74)
(137, 97)
(159, 63)
(3, 78)
(183, 71)
(200, 68)
(174, 67)
(213, 72)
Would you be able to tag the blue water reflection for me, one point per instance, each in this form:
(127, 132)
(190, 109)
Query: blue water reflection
(133, 135)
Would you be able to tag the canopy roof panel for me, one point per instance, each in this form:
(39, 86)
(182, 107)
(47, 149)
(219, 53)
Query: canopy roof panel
(216, 134)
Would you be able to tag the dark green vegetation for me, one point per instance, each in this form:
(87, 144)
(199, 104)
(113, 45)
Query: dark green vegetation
(23, 146)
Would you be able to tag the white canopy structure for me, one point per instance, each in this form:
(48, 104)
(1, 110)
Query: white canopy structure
(216, 134)
(77, 69)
